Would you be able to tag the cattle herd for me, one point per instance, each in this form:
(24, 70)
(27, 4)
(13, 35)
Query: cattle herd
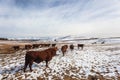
(32, 46)
(44, 55)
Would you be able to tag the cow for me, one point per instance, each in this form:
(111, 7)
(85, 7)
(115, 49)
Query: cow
(64, 49)
(39, 56)
(81, 45)
(44, 45)
(103, 42)
(28, 46)
(36, 45)
(47, 45)
(71, 47)
(53, 45)
(94, 43)
(16, 47)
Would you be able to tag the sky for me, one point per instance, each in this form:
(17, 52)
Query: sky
(43, 18)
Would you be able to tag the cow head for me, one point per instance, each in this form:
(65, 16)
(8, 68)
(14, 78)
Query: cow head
(56, 48)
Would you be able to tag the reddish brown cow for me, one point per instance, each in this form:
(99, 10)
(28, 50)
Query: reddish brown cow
(71, 47)
(39, 56)
(64, 49)
(28, 46)
(80, 45)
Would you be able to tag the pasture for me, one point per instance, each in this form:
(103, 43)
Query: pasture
(94, 62)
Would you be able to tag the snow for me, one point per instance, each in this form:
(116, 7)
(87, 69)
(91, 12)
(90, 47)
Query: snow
(92, 60)
(1, 76)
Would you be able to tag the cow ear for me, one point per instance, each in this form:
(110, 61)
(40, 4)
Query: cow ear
(56, 48)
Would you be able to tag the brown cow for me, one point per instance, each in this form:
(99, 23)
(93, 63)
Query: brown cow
(28, 46)
(44, 45)
(36, 45)
(16, 47)
(39, 56)
(47, 45)
(81, 45)
(64, 49)
(71, 47)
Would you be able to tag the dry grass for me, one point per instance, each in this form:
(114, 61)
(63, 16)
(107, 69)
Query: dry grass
(6, 46)
(6, 49)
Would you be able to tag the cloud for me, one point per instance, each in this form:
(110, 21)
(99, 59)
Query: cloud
(31, 18)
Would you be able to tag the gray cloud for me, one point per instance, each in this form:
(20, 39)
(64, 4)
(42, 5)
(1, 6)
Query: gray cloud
(58, 17)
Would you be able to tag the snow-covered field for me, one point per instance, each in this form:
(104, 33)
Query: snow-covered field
(100, 62)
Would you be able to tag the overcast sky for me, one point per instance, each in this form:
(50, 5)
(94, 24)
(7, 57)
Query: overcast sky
(40, 18)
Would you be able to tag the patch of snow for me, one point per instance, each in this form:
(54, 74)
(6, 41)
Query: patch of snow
(77, 63)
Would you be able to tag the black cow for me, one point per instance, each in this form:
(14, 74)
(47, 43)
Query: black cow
(71, 47)
(81, 45)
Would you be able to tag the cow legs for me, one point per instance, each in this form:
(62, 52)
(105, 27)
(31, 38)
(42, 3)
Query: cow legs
(63, 53)
(82, 48)
(30, 66)
(25, 66)
(46, 63)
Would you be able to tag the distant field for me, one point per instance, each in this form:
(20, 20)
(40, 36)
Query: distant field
(6, 46)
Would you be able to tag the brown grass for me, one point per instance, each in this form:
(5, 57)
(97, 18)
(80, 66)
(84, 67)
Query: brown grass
(6, 47)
